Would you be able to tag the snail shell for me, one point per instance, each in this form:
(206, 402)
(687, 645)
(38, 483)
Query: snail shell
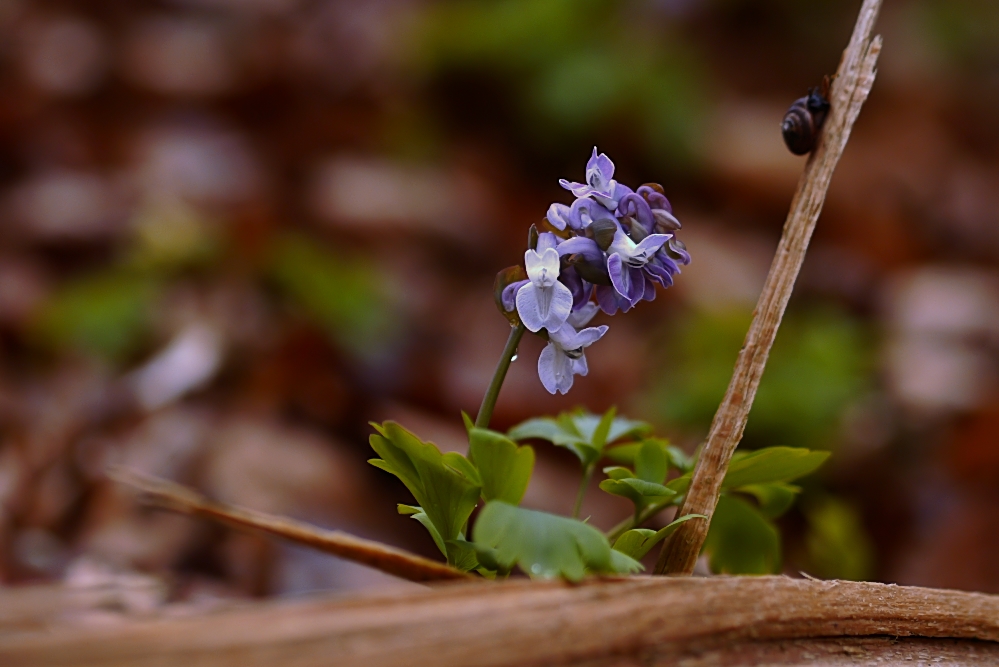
(803, 121)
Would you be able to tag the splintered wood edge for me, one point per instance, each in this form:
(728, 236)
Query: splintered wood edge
(517, 623)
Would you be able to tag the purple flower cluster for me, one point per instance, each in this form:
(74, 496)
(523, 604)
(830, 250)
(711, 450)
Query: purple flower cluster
(613, 245)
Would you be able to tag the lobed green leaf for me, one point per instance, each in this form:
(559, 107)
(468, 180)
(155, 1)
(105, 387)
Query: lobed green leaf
(638, 541)
(446, 486)
(545, 545)
(505, 468)
(772, 464)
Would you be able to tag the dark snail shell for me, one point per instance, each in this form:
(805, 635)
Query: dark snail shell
(803, 121)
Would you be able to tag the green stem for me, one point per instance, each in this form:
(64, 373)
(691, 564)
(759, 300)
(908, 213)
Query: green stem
(489, 400)
(587, 476)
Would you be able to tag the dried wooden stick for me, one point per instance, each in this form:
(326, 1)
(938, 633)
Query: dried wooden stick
(850, 88)
(177, 498)
(633, 621)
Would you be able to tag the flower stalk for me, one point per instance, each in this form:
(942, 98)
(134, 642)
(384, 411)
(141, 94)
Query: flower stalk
(489, 400)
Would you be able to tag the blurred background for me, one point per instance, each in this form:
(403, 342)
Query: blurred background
(233, 232)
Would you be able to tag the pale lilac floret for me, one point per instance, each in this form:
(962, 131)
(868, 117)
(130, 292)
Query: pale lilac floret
(564, 357)
(543, 302)
(581, 214)
(626, 261)
(600, 183)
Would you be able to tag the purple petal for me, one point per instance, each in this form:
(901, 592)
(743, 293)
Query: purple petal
(659, 273)
(509, 296)
(655, 199)
(578, 189)
(558, 215)
(650, 288)
(561, 307)
(611, 198)
(542, 267)
(599, 170)
(677, 247)
(580, 245)
(546, 368)
(544, 307)
(633, 205)
(579, 366)
(581, 290)
(651, 243)
(619, 275)
(607, 299)
(590, 335)
(636, 284)
(546, 240)
(586, 211)
(582, 315)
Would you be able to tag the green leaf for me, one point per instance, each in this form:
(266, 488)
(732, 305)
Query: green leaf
(417, 513)
(637, 490)
(638, 541)
(772, 464)
(583, 433)
(623, 563)
(446, 486)
(467, 556)
(504, 467)
(543, 428)
(741, 540)
(467, 421)
(617, 472)
(625, 454)
(774, 499)
(545, 545)
(680, 485)
(650, 463)
(600, 433)
(764, 466)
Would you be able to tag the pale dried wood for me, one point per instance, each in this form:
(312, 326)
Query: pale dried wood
(174, 497)
(646, 620)
(850, 88)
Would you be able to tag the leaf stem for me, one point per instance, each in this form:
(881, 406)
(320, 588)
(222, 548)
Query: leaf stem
(489, 400)
(587, 476)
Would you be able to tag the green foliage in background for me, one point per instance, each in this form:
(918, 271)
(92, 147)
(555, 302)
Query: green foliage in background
(346, 295)
(836, 543)
(821, 360)
(574, 65)
(105, 315)
(966, 31)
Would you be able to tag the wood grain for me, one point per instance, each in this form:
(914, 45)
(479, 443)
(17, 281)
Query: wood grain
(646, 620)
(850, 88)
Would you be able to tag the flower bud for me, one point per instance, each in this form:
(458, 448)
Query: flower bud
(602, 231)
(666, 222)
(505, 278)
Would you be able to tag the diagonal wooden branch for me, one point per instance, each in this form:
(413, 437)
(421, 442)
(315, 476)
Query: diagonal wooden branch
(174, 497)
(850, 88)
